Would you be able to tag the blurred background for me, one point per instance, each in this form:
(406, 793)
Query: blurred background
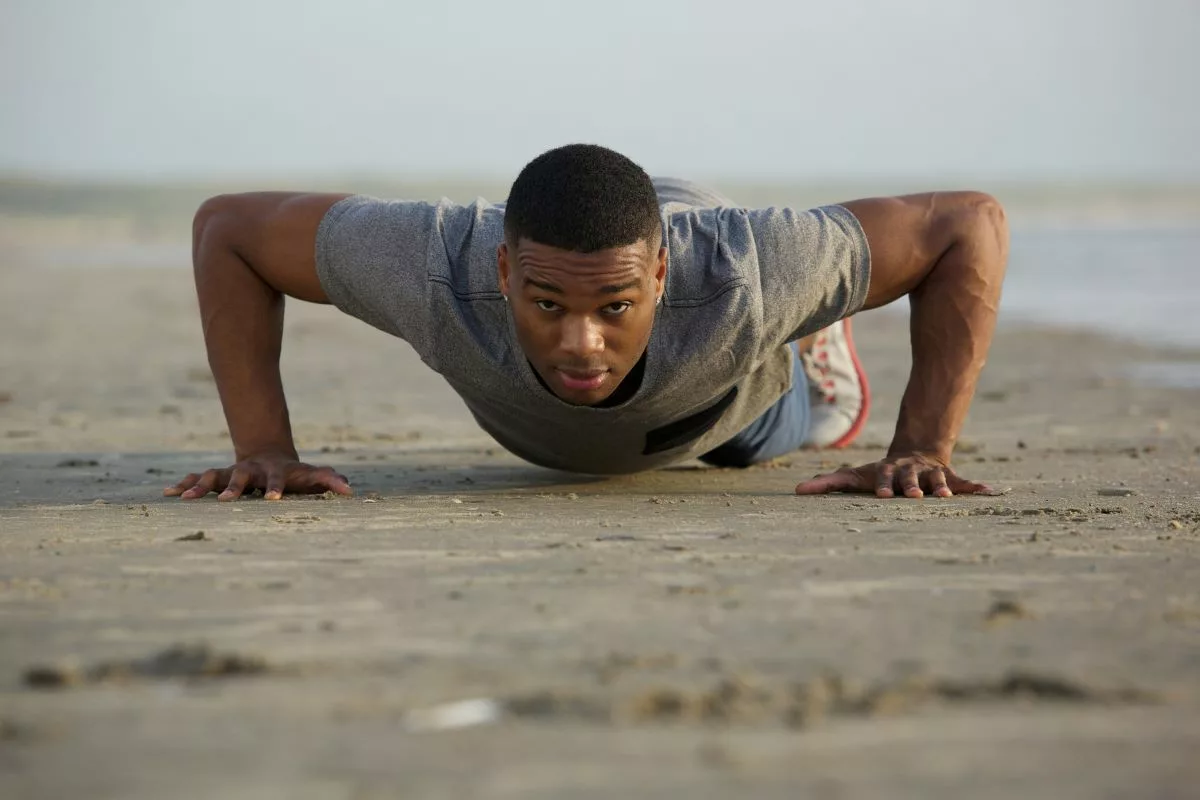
(120, 116)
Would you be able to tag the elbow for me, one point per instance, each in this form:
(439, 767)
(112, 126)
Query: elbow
(208, 215)
(985, 221)
(211, 227)
(970, 228)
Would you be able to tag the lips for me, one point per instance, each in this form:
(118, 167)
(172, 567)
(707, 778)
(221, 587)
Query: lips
(582, 379)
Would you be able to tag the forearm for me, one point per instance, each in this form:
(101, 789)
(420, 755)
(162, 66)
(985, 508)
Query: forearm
(242, 318)
(953, 318)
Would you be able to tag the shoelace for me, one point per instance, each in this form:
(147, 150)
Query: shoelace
(817, 361)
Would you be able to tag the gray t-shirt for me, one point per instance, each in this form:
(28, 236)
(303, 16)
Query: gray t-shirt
(741, 283)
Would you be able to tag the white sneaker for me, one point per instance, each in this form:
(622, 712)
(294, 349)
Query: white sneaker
(839, 397)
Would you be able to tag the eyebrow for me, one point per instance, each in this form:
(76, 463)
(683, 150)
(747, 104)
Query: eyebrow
(610, 288)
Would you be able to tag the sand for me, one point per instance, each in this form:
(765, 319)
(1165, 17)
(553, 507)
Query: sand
(685, 633)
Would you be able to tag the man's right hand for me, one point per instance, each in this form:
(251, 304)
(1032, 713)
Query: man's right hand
(274, 475)
(250, 251)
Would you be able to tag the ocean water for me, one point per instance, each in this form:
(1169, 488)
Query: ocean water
(1137, 282)
(1123, 277)
(1141, 282)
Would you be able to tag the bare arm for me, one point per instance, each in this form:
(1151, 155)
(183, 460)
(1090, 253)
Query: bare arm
(947, 251)
(249, 251)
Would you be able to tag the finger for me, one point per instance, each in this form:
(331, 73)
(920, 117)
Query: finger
(937, 484)
(840, 481)
(883, 480)
(207, 483)
(339, 483)
(237, 484)
(910, 481)
(188, 482)
(320, 479)
(275, 483)
(962, 486)
(973, 487)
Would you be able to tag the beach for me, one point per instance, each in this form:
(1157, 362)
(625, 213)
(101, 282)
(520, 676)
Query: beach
(468, 625)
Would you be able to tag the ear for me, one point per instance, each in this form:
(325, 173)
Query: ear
(660, 275)
(502, 271)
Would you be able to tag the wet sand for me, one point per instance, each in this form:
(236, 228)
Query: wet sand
(685, 633)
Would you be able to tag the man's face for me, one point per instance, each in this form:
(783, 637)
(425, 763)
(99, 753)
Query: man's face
(583, 319)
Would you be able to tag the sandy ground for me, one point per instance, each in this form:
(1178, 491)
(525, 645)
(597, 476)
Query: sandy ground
(687, 633)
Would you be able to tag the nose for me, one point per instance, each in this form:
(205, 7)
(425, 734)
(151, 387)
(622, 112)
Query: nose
(582, 337)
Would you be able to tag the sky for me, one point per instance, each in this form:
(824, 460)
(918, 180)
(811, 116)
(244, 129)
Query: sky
(742, 89)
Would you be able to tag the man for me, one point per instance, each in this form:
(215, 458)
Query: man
(601, 322)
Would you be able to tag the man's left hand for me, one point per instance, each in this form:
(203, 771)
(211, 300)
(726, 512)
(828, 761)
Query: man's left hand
(913, 476)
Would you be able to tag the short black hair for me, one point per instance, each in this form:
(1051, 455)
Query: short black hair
(582, 197)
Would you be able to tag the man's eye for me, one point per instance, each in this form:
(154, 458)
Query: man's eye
(613, 309)
(546, 305)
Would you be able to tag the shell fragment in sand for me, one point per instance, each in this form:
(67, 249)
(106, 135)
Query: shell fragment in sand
(459, 714)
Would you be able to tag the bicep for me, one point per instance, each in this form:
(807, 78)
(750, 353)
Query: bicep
(275, 233)
(906, 236)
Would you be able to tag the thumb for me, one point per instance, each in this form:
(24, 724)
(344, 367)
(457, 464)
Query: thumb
(960, 485)
(831, 482)
(340, 484)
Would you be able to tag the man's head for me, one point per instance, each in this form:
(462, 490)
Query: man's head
(582, 267)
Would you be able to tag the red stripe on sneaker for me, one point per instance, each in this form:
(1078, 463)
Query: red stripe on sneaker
(865, 409)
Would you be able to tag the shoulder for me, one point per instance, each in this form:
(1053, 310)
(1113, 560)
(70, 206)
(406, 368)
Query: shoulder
(709, 251)
(443, 235)
(371, 215)
(712, 250)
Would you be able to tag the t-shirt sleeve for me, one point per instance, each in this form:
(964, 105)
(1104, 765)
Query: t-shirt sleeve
(814, 268)
(373, 261)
